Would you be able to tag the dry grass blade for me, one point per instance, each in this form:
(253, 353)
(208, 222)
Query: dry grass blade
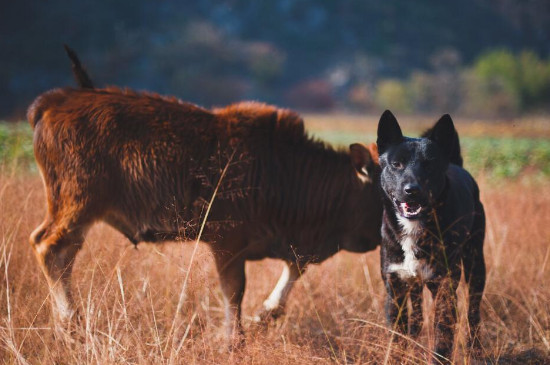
(395, 333)
(183, 290)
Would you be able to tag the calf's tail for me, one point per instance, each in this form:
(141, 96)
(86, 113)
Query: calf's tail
(81, 76)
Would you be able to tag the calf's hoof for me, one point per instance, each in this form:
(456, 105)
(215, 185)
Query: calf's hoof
(264, 315)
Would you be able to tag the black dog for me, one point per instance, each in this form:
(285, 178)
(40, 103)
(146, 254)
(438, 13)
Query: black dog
(433, 223)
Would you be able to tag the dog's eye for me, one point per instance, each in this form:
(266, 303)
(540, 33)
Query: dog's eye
(397, 165)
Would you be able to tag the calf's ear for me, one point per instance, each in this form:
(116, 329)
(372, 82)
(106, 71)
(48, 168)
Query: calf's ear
(373, 149)
(389, 132)
(444, 134)
(362, 160)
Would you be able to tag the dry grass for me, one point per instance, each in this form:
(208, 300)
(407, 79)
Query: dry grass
(128, 298)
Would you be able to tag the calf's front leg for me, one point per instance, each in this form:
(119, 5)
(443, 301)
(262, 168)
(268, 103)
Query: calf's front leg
(274, 305)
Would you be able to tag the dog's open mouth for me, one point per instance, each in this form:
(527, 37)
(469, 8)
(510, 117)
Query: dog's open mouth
(409, 209)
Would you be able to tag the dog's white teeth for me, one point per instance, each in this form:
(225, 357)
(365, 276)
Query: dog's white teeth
(410, 211)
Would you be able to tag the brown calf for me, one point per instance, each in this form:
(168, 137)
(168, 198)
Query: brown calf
(148, 165)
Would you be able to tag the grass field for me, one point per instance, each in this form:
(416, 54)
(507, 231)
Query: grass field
(128, 297)
(498, 150)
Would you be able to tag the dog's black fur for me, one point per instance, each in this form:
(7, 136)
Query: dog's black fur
(433, 225)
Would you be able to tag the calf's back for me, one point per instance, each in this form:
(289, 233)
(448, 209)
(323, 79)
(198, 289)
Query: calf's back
(148, 165)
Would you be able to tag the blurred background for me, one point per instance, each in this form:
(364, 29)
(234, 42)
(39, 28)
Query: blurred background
(479, 58)
(340, 63)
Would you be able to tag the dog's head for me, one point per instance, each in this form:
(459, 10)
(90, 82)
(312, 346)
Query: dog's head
(413, 169)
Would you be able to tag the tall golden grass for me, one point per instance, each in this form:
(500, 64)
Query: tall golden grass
(128, 297)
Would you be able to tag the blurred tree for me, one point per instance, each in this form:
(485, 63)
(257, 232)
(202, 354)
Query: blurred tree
(535, 80)
(501, 82)
(438, 90)
(394, 95)
(492, 97)
(264, 47)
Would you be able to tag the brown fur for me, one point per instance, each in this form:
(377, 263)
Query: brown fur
(147, 165)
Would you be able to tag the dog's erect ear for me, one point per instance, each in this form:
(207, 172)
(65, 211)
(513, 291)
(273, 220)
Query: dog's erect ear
(444, 134)
(389, 132)
(362, 160)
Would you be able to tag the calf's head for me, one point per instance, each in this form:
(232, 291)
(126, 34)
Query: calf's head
(414, 169)
(365, 160)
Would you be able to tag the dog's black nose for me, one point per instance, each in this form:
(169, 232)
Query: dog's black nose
(412, 189)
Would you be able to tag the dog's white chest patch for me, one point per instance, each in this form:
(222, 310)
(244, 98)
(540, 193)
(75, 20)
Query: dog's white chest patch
(411, 267)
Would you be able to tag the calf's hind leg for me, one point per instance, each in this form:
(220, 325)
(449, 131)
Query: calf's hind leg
(232, 281)
(55, 244)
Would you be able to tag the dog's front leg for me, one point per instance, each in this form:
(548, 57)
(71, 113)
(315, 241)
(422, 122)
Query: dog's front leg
(396, 303)
(445, 317)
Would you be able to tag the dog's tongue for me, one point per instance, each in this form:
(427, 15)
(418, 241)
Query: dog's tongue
(412, 208)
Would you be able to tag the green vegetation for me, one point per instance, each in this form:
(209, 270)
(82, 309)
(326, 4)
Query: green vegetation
(16, 150)
(495, 157)
(394, 93)
(501, 82)
(507, 157)
(498, 83)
